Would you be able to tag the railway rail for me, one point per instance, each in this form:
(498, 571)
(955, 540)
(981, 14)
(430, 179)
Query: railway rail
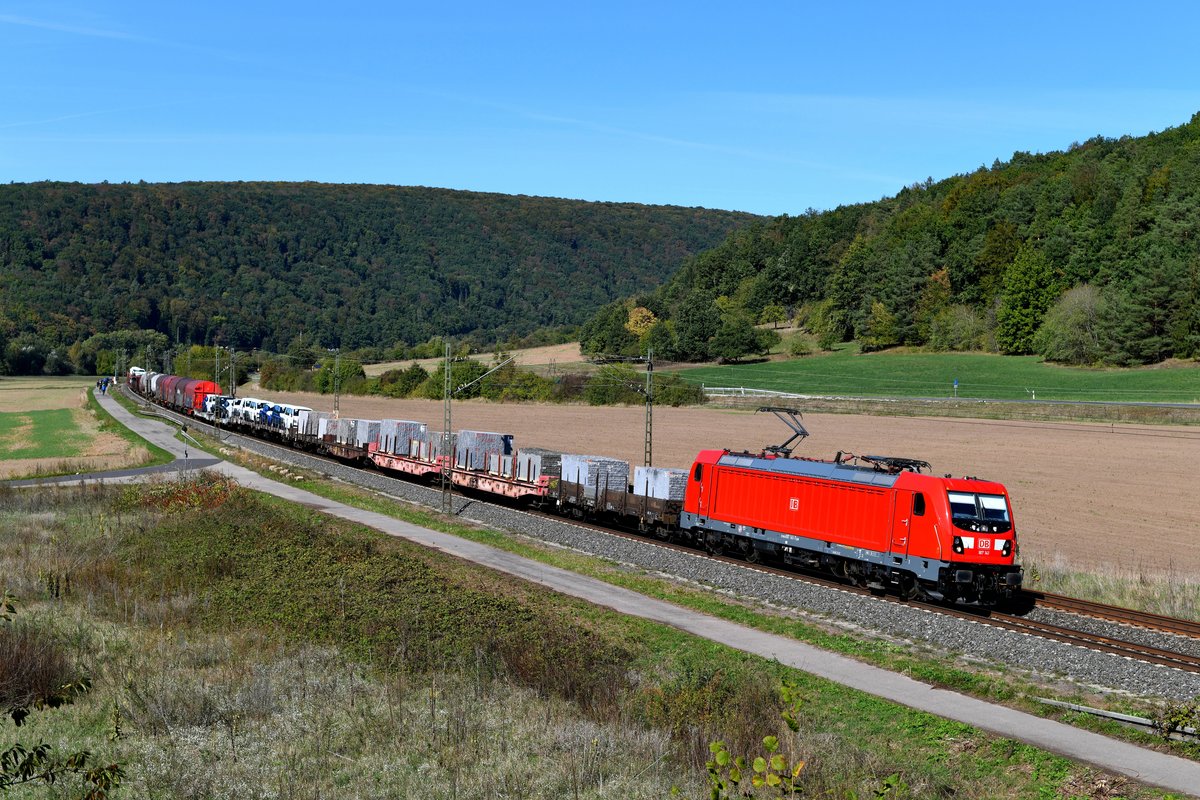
(1007, 621)
(1124, 616)
(1016, 622)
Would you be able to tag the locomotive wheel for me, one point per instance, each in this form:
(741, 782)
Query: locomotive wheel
(748, 551)
(909, 588)
(715, 544)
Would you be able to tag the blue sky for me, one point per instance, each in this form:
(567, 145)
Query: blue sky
(765, 107)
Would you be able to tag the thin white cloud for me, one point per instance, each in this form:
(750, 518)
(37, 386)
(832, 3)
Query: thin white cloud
(118, 35)
(78, 30)
(1052, 109)
(629, 133)
(52, 120)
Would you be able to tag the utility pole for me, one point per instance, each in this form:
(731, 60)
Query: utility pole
(448, 464)
(649, 406)
(447, 393)
(232, 373)
(217, 364)
(337, 383)
(647, 390)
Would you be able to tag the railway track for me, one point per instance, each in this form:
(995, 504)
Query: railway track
(1013, 622)
(1016, 622)
(1092, 641)
(1124, 616)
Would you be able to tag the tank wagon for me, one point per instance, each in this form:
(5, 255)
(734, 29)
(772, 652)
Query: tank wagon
(186, 395)
(876, 521)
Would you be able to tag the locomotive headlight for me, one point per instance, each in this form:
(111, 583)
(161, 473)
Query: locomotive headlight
(1007, 549)
(958, 545)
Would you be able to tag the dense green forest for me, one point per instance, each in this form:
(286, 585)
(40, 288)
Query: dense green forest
(1086, 256)
(255, 265)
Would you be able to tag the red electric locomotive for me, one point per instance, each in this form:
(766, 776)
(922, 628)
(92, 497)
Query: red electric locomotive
(874, 520)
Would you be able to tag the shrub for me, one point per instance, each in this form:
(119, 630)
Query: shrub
(402, 382)
(956, 327)
(799, 345)
(33, 664)
(1070, 331)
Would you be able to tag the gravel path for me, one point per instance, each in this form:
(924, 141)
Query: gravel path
(968, 641)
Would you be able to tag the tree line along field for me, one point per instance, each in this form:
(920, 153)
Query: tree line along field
(979, 375)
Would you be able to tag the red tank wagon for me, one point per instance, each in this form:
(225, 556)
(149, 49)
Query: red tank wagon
(878, 522)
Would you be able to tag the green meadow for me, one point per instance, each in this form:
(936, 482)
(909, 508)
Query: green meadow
(979, 375)
(52, 433)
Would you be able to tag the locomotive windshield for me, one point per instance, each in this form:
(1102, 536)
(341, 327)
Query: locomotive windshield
(979, 512)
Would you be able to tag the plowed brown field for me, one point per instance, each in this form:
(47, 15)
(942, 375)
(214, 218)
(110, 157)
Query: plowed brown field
(1121, 497)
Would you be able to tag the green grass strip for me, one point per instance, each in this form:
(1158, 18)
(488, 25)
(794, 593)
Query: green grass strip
(109, 424)
(52, 433)
(845, 372)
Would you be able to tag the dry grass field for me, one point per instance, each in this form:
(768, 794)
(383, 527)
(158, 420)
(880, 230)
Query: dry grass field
(560, 355)
(1115, 498)
(36, 441)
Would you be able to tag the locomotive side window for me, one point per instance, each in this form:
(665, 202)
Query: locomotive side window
(698, 472)
(919, 505)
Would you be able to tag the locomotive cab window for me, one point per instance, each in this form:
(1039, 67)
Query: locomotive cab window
(980, 512)
(919, 505)
(698, 472)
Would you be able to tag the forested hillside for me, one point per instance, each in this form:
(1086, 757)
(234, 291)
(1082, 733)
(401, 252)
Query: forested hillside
(255, 264)
(1091, 255)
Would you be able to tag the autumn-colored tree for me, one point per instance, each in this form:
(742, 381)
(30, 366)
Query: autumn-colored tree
(640, 320)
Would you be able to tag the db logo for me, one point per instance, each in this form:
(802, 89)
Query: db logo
(985, 544)
(794, 504)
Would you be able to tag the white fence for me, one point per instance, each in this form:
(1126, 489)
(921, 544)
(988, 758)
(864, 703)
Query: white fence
(743, 391)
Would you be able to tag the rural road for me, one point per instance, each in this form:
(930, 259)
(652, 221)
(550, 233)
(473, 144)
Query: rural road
(1150, 767)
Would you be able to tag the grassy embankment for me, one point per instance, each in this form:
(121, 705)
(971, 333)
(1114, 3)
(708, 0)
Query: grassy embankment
(53, 426)
(241, 646)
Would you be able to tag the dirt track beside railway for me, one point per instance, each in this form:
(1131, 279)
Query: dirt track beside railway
(1101, 496)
